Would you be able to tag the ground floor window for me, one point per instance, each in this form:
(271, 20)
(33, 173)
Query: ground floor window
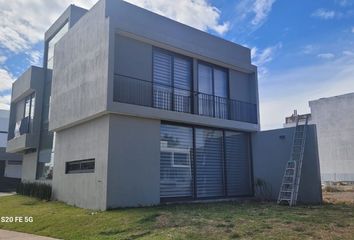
(80, 166)
(175, 161)
(197, 163)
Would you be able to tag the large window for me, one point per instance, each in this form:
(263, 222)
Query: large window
(197, 163)
(80, 166)
(175, 166)
(213, 91)
(172, 79)
(24, 116)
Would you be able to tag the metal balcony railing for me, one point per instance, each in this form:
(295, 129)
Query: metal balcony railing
(145, 93)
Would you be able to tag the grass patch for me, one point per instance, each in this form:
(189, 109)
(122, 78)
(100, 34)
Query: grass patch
(220, 221)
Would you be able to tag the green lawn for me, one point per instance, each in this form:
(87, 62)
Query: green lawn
(187, 221)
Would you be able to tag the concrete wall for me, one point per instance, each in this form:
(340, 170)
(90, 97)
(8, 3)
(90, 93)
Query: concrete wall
(243, 86)
(79, 88)
(131, 19)
(84, 141)
(31, 80)
(133, 58)
(72, 14)
(13, 170)
(6, 169)
(29, 166)
(334, 118)
(271, 151)
(134, 162)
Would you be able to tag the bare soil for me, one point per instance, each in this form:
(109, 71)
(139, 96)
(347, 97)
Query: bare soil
(339, 197)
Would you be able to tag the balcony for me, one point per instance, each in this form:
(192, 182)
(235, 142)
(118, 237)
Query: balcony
(144, 93)
(26, 99)
(21, 139)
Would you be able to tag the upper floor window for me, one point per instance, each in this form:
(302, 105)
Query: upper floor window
(24, 115)
(52, 43)
(212, 91)
(172, 81)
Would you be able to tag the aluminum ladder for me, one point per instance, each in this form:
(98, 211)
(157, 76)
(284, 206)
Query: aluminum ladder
(291, 180)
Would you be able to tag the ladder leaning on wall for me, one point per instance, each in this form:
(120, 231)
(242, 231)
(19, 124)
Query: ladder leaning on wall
(291, 180)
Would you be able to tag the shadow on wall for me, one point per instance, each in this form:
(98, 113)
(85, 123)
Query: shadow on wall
(271, 151)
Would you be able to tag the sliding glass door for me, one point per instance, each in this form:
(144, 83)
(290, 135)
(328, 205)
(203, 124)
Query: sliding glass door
(162, 86)
(176, 161)
(221, 93)
(199, 163)
(213, 91)
(209, 163)
(205, 88)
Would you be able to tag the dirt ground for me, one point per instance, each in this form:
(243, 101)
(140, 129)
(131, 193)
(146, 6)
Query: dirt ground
(339, 194)
(339, 197)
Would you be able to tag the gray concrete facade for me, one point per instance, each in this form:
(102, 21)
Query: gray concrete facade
(271, 151)
(89, 140)
(116, 40)
(29, 166)
(83, 89)
(80, 70)
(333, 117)
(134, 162)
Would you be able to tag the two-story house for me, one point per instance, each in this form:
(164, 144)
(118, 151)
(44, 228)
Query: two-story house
(132, 108)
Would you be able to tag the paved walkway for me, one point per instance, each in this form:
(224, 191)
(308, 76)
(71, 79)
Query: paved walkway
(2, 194)
(10, 235)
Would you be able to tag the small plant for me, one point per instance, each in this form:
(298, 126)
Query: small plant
(38, 190)
(263, 190)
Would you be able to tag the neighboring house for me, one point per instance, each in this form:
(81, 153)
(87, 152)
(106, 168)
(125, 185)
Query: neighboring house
(334, 119)
(10, 164)
(291, 121)
(134, 109)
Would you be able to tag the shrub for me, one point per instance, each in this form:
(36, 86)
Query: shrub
(331, 189)
(38, 190)
(263, 190)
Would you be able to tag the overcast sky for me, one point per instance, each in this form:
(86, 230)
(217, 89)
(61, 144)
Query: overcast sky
(304, 49)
